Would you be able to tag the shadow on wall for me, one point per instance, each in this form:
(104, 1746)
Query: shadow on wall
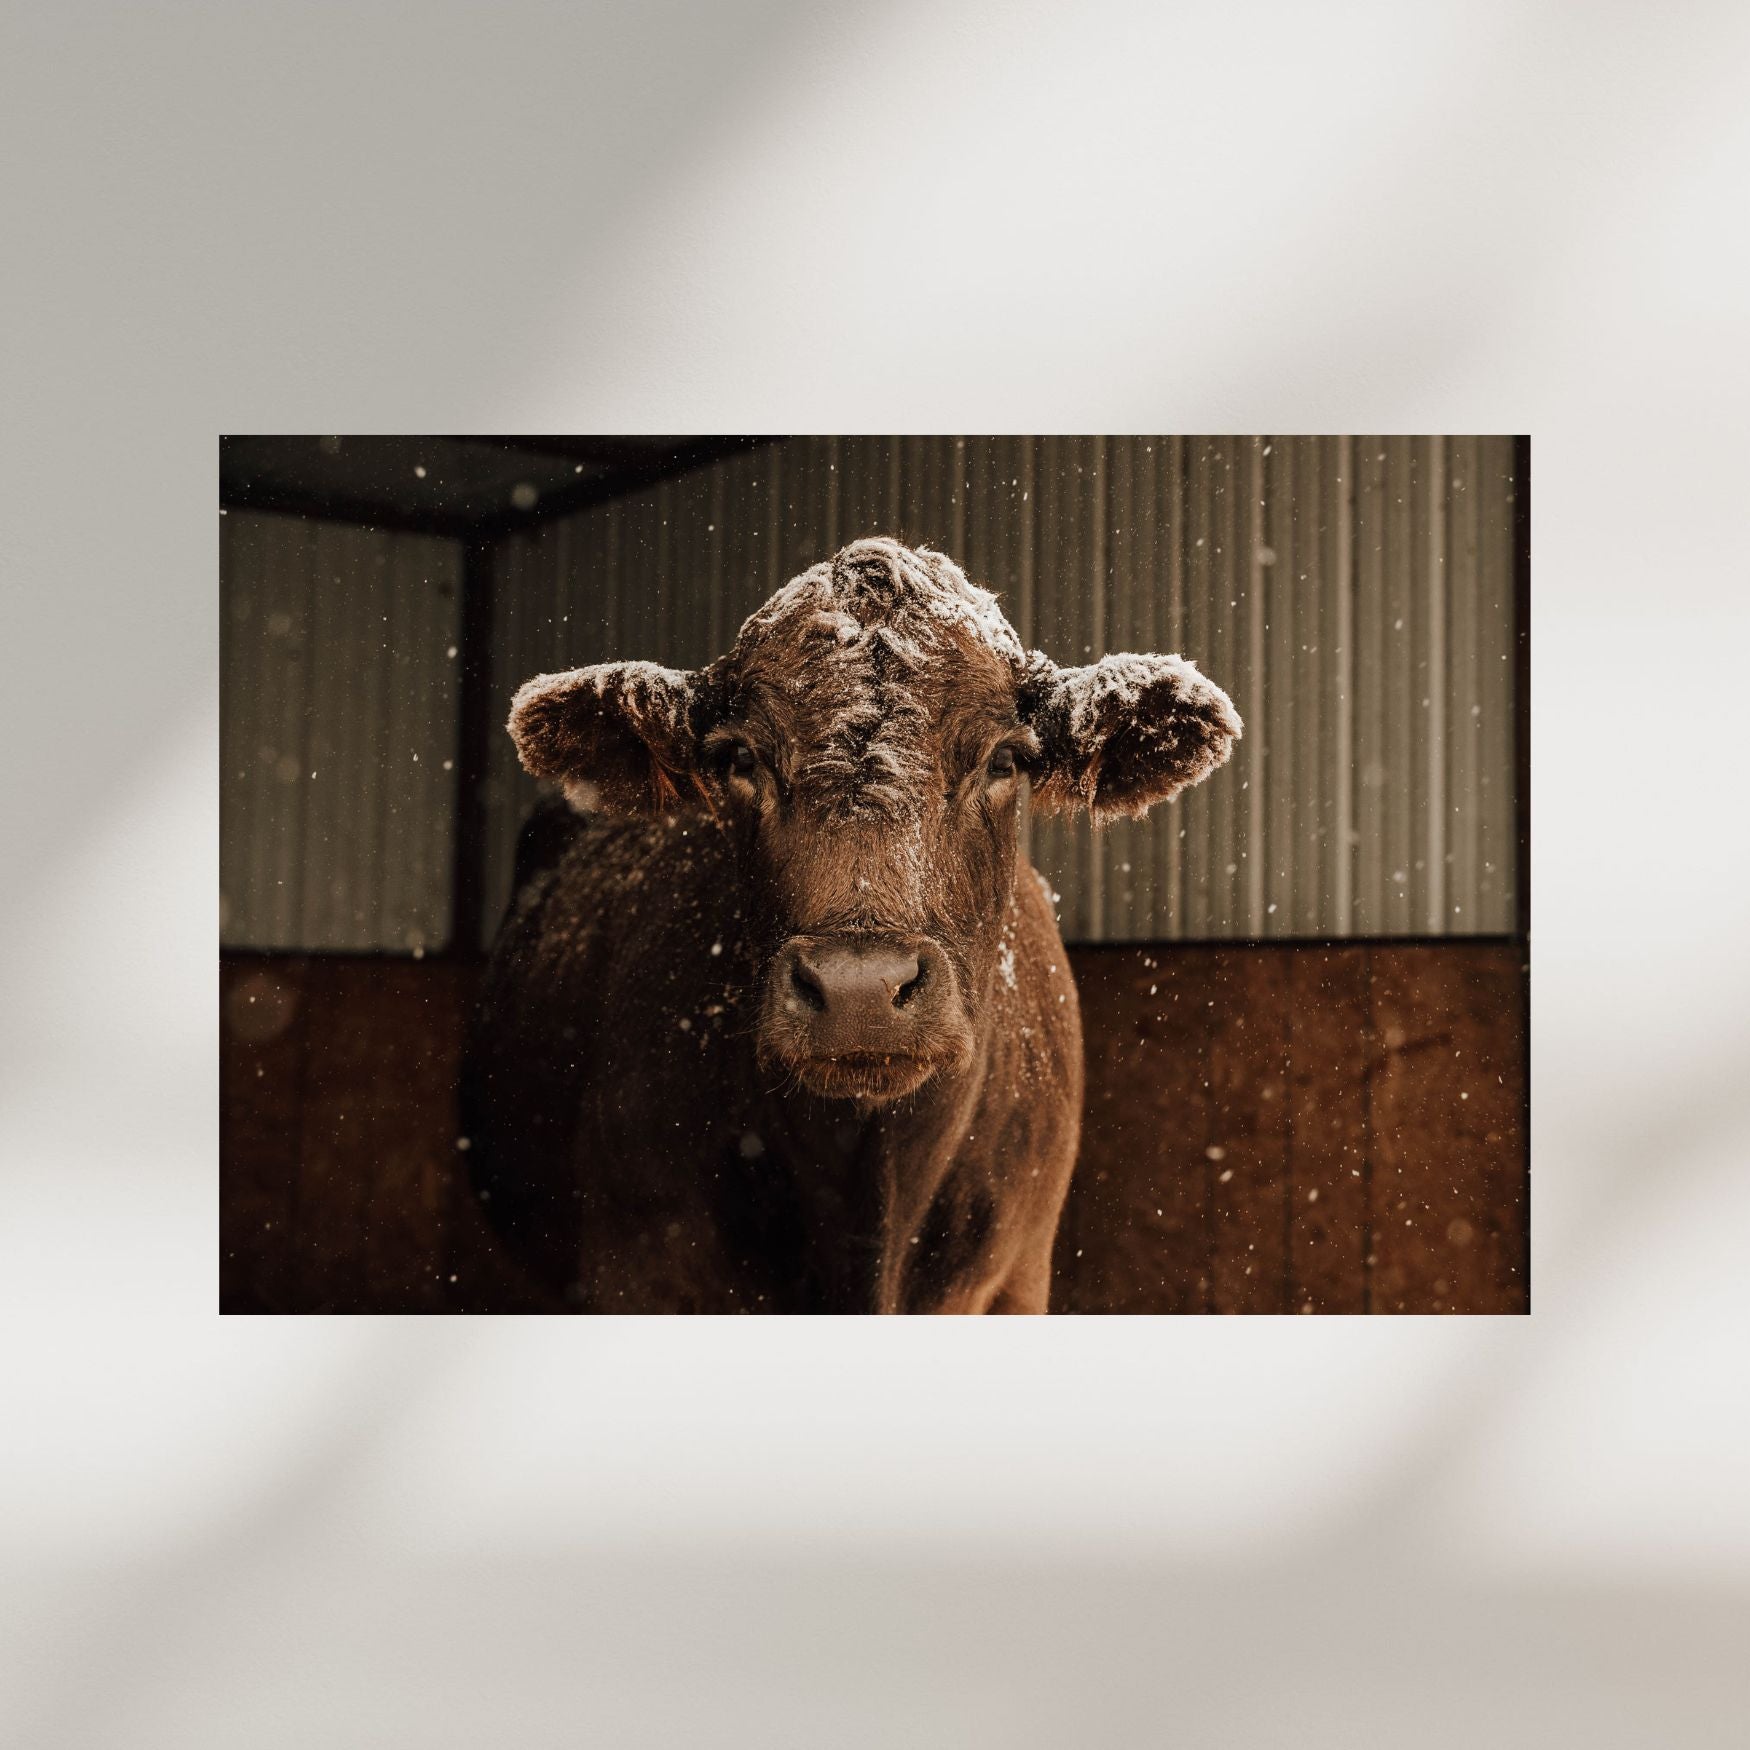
(1269, 1128)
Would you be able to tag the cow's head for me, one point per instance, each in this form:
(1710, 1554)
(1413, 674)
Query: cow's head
(865, 744)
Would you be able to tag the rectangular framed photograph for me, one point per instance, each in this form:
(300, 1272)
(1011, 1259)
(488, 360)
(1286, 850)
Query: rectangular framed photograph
(875, 874)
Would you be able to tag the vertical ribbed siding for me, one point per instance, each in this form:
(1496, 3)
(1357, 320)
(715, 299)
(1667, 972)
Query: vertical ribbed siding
(339, 701)
(1338, 704)
(1435, 678)
(1493, 705)
(1354, 595)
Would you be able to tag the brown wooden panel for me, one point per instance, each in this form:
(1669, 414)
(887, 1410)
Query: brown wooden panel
(1329, 1003)
(261, 1056)
(1449, 1180)
(1247, 1147)
(379, 1133)
(341, 1185)
(1135, 1234)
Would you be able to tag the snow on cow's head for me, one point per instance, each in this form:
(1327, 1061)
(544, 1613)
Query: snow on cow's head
(859, 691)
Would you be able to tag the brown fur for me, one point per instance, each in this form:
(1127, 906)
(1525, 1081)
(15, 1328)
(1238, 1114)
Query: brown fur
(655, 1119)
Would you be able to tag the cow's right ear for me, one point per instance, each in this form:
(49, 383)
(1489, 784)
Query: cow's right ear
(620, 736)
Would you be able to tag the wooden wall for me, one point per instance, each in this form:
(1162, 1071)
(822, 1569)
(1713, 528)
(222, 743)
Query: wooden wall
(337, 1131)
(1300, 1129)
(1269, 1128)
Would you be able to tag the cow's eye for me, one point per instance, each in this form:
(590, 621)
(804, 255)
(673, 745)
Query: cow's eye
(742, 760)
(1002, 763)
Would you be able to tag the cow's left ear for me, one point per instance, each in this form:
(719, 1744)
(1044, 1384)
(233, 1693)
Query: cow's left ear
(620, 736)
(1123, 733)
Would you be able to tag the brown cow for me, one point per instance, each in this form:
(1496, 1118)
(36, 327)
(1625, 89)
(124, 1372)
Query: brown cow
(778, 1018)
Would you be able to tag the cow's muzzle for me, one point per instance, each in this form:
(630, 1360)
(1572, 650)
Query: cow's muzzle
(862, 1017)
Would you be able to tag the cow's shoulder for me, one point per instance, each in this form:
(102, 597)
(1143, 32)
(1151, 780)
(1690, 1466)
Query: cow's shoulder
(584, 882)
(599, 1044)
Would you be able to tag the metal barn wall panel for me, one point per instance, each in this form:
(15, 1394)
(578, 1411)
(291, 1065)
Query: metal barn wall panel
(339, 701)
(1353, 595)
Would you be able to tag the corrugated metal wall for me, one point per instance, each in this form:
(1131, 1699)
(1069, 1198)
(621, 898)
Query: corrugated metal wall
(339, 704)
(1354, 595)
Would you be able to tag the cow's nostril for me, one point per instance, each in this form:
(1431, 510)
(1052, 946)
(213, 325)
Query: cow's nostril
(808, 987)
(845, 985)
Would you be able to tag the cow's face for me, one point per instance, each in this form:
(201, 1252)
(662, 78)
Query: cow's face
(866, 745)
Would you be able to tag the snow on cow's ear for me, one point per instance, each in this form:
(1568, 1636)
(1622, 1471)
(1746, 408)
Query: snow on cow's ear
(1123, 733)
(619, 736)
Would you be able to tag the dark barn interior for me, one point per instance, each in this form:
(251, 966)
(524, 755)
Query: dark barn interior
(1304, 997)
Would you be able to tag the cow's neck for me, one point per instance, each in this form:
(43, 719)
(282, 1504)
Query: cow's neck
(870, 1183)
